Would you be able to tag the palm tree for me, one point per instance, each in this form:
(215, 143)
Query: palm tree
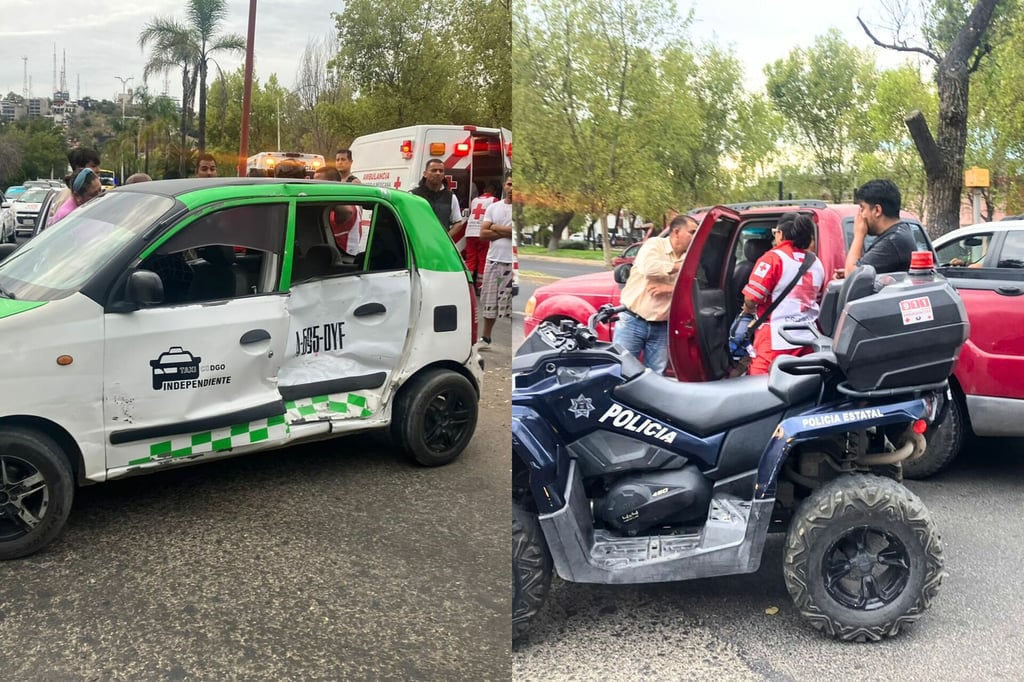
(191, 47)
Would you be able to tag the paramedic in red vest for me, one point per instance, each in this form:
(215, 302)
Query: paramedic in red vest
(772, 273)
(476, 248)
(435, 190)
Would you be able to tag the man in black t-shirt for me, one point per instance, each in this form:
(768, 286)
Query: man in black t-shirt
(879, 215)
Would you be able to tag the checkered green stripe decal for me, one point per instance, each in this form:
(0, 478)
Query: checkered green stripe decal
(273, 428)
(334, 406)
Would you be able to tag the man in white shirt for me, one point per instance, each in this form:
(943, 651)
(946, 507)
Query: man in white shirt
(496, 292)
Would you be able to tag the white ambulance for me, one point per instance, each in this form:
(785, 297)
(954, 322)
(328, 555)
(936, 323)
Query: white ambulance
(268, 162)
(396, 158)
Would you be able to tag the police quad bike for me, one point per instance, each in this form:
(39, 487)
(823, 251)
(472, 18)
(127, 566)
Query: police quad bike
(623, 476)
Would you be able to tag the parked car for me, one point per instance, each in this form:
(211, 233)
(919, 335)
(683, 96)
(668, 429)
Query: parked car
(13, 191)
(167, 346)
(23, 211)
(579, 297)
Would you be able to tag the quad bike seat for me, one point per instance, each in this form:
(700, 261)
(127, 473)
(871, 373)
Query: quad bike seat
(706, 408)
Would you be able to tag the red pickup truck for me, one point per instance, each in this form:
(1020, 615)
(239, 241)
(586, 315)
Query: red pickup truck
(577, 298)
(988, 381)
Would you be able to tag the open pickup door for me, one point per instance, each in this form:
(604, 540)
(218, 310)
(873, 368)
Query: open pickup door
(701, 310)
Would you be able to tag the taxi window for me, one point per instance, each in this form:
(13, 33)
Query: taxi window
(226, 254)
(339, 239)
(62, 259)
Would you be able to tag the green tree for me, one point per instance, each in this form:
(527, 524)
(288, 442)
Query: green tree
(407, 63)
(888, 151)
(956, 40)
(190, 46)
(821, 91)
(588, 105)
(995, 132)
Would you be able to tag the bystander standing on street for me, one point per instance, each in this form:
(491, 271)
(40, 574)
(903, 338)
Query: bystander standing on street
(84, 187)
(434, 189)
(496, 291)
(343, 163)
(78, 158)
(206, 166)
(642, 328)
(879, 215)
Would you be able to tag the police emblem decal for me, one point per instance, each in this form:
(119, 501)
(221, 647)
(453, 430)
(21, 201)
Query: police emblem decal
(581, 406)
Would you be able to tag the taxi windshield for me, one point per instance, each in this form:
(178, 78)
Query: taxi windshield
(64, 257)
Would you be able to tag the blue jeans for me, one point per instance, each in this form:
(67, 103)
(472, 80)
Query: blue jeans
(643, 338)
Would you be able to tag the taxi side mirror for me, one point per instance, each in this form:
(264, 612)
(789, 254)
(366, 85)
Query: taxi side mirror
(144, 288)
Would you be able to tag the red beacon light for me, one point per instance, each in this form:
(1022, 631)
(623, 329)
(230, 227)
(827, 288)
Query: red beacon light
(461, 149)
(922, 262)
(406, 149)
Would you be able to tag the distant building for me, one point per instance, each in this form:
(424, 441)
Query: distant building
(38, 107)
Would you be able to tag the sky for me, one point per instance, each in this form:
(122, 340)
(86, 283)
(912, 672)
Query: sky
(763, 31)
(101, 41)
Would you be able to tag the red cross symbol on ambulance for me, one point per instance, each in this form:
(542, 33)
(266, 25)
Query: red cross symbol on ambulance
(398, 183)
(452, 185)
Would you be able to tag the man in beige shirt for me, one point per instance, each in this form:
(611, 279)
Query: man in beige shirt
(643, 327)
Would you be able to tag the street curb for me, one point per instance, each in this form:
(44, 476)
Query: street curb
(560, 259)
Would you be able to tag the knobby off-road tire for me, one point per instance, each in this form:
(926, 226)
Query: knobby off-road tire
(851, 527)
(531, 570)
(435, 417)
(36, 491)
(943, 444)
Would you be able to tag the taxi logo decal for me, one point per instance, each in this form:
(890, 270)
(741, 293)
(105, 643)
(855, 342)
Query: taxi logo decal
(179, 369)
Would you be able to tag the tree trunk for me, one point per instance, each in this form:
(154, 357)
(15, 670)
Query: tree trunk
(943, 157)
(202, 107)
(561, 221)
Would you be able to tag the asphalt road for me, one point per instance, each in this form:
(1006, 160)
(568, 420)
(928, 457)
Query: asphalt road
(536, 272)
(721, 629)
(339, 561)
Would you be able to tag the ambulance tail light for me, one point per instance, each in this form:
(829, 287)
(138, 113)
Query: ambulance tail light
(462, 149)
(270, 162)
(508, 150)
(406, 149)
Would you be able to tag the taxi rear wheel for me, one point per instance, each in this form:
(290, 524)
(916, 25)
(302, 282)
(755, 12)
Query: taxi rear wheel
(435, 417)
(36, 491)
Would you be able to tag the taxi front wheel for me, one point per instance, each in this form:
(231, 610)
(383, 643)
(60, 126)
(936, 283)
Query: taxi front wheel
(435, 416)
(36, 490)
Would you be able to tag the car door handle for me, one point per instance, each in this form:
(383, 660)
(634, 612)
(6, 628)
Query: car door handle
(1009, 291)
(254, 336)
(370, 309)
